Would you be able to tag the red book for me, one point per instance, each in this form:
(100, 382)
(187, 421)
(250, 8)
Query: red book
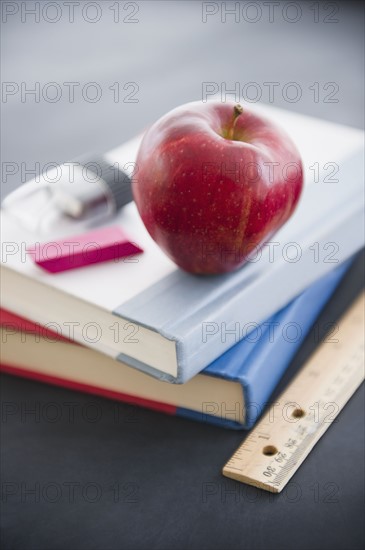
(32, 351)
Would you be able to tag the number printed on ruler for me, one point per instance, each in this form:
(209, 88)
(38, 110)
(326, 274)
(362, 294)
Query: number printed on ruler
(284, 437)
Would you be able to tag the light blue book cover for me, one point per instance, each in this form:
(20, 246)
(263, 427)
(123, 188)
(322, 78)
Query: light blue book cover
(324, 232)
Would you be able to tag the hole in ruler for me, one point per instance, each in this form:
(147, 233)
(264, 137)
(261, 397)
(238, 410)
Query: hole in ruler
(298, 413)
(269, 450)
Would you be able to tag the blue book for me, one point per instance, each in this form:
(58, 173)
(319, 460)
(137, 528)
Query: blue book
(231, 392)
(259, 364)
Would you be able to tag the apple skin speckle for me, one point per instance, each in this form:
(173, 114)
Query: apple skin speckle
(209, 201)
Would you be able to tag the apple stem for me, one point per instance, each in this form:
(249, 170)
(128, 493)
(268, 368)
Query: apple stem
(237, 111)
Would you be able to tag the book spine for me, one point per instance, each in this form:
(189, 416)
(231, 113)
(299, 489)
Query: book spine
(268, 362)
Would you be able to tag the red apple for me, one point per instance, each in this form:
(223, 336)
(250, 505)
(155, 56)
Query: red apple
(213, 182)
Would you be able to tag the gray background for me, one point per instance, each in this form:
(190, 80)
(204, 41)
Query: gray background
(162, 465)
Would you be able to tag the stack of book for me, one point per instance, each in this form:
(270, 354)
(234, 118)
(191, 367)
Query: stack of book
(208, 348)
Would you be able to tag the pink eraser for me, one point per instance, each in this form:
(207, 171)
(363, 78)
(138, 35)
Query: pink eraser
(100, 245)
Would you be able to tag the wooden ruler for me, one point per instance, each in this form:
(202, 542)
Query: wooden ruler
(287, 433)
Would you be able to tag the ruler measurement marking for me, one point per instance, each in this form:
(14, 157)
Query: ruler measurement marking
(338, 371)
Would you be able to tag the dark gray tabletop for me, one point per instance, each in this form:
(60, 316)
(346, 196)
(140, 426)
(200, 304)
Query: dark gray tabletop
(136, 479)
